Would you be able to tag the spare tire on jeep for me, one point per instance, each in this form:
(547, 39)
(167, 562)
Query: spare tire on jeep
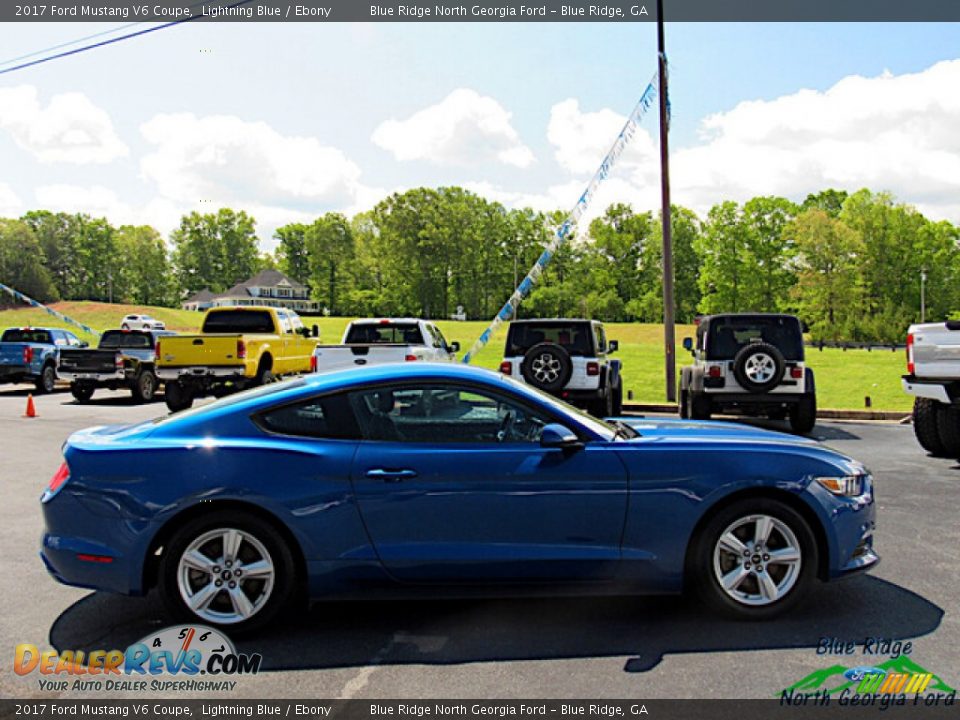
(547, 366)
(759, 367)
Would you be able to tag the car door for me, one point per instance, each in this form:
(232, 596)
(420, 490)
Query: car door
(453, 485)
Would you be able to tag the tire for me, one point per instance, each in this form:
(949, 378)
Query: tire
(263, 596)
(47, 381)
(785, 582)
(683, 406)
(925, 426)
(602, 407)
(759, 367)
(700, 407)
(124, 327)
(144, 387)
(803, 415)
(618, 398)
(82, 392)
(177, 396)
(547, 366)
(265, 376)
(948, 429)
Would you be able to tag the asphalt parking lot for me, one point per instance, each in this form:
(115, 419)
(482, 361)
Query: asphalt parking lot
(594, 648)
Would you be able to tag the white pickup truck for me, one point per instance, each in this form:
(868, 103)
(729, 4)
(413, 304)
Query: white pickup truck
(386, 340)
(933, 378)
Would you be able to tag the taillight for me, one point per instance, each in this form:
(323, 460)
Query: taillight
(156, 349)
(410, 358)
(715, 371)
(241, 350)
(57, 481)
(593, 368)
(313, 363)
(506, 367)
(796, 373)
(911, 367)
(27, 355)
(118, 361)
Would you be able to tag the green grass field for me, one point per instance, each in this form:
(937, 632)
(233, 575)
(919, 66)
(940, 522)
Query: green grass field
(844, 379)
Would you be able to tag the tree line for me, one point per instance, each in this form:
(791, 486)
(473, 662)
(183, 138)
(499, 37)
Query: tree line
(853, 266)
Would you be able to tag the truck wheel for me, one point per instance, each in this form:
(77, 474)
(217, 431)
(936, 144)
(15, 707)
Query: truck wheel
(925, 426)
(618, 398)
(602, 407)
(144, 387)
(684, 404)
(803, 415)
(82, 392)
(178, 396)
(47, 380)
(700, 407)
(948, 428)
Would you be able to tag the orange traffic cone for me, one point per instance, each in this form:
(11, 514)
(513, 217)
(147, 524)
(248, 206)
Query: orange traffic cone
(31, 408)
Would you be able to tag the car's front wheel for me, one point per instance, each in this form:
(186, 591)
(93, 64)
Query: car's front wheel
(228, 569)
(754, 560)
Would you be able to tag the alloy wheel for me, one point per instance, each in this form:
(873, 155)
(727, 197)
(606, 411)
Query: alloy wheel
(545, 368)
(760, 367)
(757, 560)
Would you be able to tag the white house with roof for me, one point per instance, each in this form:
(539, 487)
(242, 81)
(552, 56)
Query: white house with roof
(268, 288)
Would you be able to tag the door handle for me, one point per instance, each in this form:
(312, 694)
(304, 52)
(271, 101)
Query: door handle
(390, 475)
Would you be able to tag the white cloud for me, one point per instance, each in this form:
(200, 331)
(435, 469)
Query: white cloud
(894, 133)
(465, 128)
(10, 205)
(70, 129)
(223, 159)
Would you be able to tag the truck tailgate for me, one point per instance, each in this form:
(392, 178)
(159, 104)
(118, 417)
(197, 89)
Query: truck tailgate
(198, 350)
(936, 351)
(11, 353)
(339, 357)
(88, 361)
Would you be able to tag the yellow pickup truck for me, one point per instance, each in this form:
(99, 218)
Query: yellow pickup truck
(237, 348)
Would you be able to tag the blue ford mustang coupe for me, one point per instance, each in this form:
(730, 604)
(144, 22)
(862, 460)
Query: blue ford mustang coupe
(421, 478)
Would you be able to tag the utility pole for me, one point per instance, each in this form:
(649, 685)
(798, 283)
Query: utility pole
(669, 337)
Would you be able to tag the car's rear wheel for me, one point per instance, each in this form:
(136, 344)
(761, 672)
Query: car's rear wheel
(754, 560)
(177, 395)
(948, 429)
(684, 405)
(125, 327)
(925, 426)
(82, 392)
(47, 380)
(803, 415)
(228, 569)
(618, 398)
(700, 407)
(145, 386)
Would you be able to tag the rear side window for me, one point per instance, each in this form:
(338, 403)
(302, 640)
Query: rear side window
(385, 334)
(727, 336)
(326, 417)
(238, 321)
(27, 336)
(574, 338)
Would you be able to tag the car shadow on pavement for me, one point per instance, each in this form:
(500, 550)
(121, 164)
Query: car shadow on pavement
(642, 630)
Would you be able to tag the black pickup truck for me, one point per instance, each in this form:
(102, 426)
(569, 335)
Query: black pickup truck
(124, 358)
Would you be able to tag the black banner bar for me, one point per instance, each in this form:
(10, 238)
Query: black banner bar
(480, 11)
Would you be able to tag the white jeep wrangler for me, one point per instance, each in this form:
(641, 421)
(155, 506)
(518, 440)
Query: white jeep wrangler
(568, 359)
(749, 364)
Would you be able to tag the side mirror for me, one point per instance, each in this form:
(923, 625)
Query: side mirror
(612, 346)
(688, 344)
(84, 344)
(454, 346)
(559, 437)
(316, 331)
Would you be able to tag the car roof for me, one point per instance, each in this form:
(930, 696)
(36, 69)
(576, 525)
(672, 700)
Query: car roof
(745, 316)
(384, 321)
(557, 321)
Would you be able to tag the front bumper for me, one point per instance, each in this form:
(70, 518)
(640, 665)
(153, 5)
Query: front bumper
(850, 524)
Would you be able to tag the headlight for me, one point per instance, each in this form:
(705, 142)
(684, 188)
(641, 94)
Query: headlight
(847, 486)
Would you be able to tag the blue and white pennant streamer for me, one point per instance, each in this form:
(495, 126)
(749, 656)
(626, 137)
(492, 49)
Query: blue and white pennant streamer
(50, 311)
(563, 232)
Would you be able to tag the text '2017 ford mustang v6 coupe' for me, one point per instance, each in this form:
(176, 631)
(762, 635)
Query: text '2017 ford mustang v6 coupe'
(418, 478)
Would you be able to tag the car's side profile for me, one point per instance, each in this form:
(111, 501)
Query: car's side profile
(421, 478)
(141, 322)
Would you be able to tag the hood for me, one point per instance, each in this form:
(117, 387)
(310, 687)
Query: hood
(677, 429)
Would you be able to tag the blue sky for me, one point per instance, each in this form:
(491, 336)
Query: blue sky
(290, 120)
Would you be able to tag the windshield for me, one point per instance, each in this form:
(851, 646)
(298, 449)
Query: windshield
(575, 338)
(243, 396)
(238, 321)
(120, 339)
(728, 335)
(384, 334)
(26, 336)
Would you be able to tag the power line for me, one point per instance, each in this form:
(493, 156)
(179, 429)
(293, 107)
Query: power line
(103, 43)
(72, 42)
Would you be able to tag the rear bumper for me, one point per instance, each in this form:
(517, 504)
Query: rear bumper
(118, 376)
(202, 371)
(15, 374)
(731, 399)
(932, 389)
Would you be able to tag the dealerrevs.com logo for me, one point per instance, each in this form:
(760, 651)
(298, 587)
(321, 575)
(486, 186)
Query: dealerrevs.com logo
(182, 657)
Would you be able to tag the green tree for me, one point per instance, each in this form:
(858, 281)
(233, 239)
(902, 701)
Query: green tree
(721, 249)
(57, 234)
(331, 248)
(293, 256)
(145, 266)
(21, 263)
(214, 250)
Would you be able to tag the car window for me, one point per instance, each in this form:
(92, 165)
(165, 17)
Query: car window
(324, 417)
(121, 339)
(444, 414)
(601, 339)
(385, 333)
(442, 340)
(27, 335)
(73, 340)
(728, 335)
(59, 338)
(238, 321)
(573, 337)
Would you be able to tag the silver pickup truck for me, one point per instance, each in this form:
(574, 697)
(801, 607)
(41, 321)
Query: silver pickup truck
(933, 378)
